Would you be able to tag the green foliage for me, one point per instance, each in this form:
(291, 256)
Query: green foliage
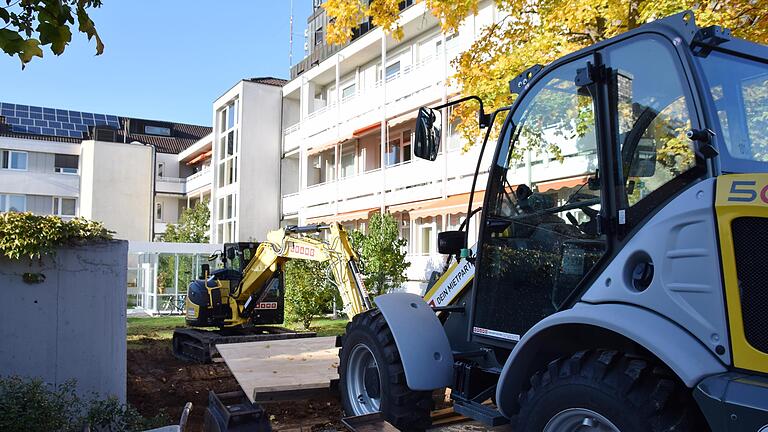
(382, 253)
(308, 290)
(27, 25)
(193, 225)
(31, 405)
(192, 228)
(29, 235)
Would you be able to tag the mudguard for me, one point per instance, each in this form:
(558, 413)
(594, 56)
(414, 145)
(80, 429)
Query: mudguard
(421, 341)
(675, 347)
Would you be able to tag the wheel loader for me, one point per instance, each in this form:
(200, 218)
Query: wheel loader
(619, 277)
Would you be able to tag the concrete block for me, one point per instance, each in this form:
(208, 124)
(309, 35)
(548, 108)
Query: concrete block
(73, 324)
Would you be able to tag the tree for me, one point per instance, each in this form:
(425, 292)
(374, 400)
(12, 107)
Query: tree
(538, 32)
(193, 226)
(382, 253)
(308, 290)
(33, 24)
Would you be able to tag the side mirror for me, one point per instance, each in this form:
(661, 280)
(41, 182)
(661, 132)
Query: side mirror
(427, 135)
(451, 242)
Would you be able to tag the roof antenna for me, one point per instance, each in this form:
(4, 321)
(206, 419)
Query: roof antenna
(290, 40)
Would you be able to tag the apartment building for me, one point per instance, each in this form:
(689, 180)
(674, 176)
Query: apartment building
(129, 173)
(348, 120)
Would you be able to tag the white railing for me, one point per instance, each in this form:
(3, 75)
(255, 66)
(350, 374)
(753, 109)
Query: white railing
(171, 179)
(291, 129)
(199, 180)
(364, 106)
(291, 204)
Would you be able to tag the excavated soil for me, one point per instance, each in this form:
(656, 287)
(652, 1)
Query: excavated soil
(158, 382)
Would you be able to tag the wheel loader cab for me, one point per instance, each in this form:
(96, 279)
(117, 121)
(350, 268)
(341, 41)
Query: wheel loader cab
(629, 176)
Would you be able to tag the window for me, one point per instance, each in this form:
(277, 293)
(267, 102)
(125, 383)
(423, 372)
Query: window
(319, 35)
(15, 160)
(347, 160)
(229, 145)
(393, 152)
(739, 89)
(226, 223)
(392, 71)
(157, 130)
(348, 91)
(64, 206)
(159, 211)
(653, 118)
(13, 203)
(66, 164)
(426, 233)
(541, 238)
(161, 169)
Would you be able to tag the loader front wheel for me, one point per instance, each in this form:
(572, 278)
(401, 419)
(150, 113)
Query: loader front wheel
(372, 378)
(606, 391)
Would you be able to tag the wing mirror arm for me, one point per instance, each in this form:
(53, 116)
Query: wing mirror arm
(483, 119)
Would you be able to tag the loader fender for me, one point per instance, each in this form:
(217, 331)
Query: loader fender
(421, 341)
(587, 326)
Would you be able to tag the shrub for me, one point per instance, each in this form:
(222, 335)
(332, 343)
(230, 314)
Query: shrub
(31, 405)
(26, 234)
(308, 290)
(382, 253)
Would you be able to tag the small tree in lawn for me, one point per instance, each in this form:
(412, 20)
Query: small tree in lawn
(193, 227)
(382, 253)
(308, 292)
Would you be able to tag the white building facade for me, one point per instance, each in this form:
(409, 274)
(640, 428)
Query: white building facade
(339, 166)
(128, 173)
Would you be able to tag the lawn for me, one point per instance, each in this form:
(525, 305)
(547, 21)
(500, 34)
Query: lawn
(162, 328)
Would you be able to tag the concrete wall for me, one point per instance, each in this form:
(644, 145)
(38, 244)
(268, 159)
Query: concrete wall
(116, 187)
(73, 324)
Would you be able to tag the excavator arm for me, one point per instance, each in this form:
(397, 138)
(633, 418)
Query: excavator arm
(296, 242)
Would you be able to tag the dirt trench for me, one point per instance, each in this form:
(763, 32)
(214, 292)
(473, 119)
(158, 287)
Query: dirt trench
(158, 382)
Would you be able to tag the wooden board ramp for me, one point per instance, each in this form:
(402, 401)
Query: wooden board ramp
(291, 369)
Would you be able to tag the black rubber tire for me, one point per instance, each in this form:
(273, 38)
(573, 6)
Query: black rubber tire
(402, 407)
(631, 392)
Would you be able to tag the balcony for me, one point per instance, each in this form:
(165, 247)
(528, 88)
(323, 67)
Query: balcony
(291, 204)
(199, 180)
(170, 185)
(414, 86)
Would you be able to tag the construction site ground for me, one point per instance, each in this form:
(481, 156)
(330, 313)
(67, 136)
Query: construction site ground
(158, 382)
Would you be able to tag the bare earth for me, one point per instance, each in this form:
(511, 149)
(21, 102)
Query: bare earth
(158, 381)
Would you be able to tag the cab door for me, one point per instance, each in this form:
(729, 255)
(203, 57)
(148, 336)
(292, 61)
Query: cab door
(541, 233)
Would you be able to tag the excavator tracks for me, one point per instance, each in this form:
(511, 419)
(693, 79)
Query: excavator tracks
(199, 346)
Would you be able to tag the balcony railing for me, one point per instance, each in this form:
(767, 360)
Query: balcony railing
(199, 180)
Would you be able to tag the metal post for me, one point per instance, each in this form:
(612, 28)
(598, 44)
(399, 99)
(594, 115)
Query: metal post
(444, 120)
(383, 131)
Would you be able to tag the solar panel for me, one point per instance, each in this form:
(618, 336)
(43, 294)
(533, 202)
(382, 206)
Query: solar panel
(54, 122)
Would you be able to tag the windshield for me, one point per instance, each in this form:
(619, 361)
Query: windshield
(739, 89)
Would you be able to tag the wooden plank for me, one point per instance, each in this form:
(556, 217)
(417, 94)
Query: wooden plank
(272, 370)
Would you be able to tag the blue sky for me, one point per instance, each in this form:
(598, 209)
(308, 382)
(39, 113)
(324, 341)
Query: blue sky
(164, 59)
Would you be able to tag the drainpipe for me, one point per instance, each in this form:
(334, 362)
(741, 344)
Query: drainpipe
(383, 132)
(444, 119)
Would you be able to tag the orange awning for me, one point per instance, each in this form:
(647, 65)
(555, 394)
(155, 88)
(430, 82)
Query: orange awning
(200, 157)
(554, 185)
(453, 204)
(364, 130)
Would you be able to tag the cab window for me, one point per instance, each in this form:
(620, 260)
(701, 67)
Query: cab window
(654, 113)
